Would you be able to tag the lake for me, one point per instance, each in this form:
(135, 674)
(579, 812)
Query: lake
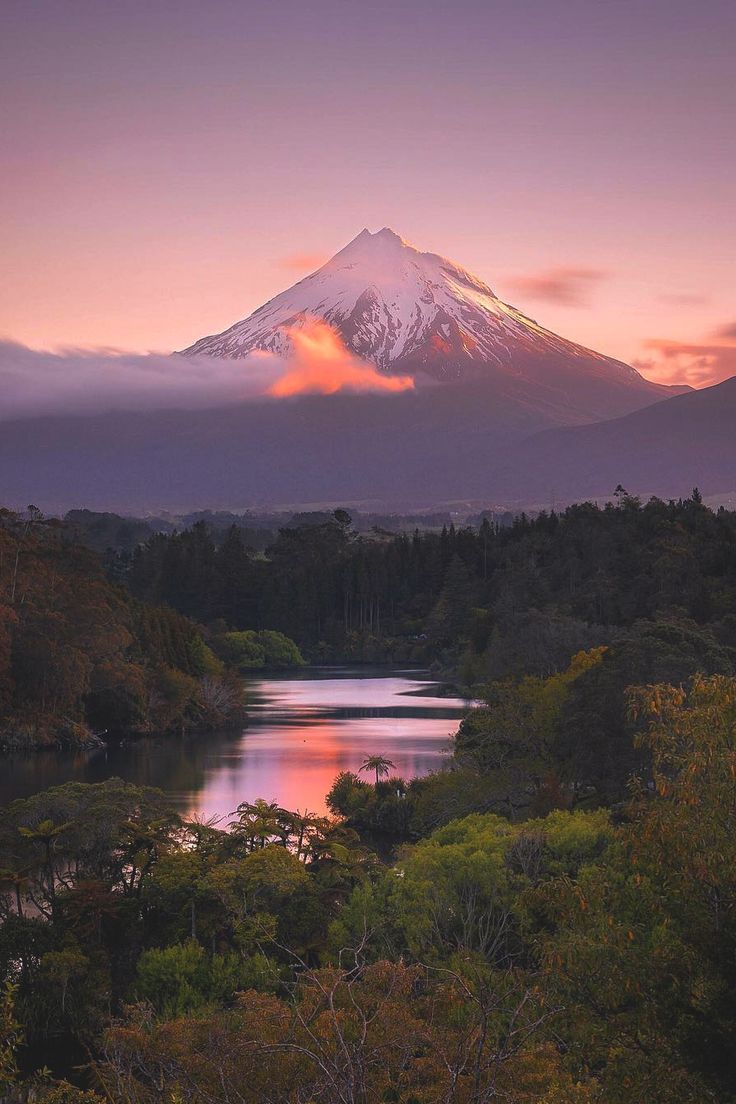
(303, 729)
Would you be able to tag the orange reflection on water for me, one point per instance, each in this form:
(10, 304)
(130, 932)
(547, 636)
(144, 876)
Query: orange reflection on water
(303, 730)
(292, 751)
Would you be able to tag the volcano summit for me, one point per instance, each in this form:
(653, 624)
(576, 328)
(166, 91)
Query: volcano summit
(419, 314)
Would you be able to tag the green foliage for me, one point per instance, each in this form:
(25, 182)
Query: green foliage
(474, 870)
(447, 794)
(243, 650)
(383, 807)
(640, 945)
(461, 869)
(183, 978)
(497, 601)
(595, 744)
(462, 891)
(112, 831)
(510, 741)
(11, 1035)
(349, 796)
(249, 650)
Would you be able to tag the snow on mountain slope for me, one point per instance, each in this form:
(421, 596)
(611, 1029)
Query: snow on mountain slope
(417, 313)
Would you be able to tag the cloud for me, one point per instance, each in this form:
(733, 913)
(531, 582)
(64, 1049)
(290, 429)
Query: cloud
(567, 287)
(322, 364)
(726, 333)
(699, 365)
(86, 381)
(303, 262)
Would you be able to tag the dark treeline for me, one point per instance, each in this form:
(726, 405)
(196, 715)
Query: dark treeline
(80, 656)
(510, 599)
(115, 533)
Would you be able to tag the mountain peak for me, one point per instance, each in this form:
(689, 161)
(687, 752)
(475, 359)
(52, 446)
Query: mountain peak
(385, 234)
(369, 242)
(388, 235)
(420, 314)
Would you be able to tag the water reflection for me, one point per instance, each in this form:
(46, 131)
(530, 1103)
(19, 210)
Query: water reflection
(303, 729)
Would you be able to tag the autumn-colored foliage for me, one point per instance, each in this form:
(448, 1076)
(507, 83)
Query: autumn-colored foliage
(78, 657)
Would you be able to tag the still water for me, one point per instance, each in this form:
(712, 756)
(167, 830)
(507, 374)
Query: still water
(302, 730)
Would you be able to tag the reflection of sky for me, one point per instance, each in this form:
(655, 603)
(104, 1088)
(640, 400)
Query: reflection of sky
(308, 731)
(300, 697)
(296, 765)
(302, 731)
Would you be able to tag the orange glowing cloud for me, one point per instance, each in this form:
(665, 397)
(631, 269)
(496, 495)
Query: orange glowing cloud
(697, 364)
(321, 364)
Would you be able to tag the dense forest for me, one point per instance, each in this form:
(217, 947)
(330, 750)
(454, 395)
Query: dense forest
(577, 957)
(548, 619)
(79, 656)
(552, 919)
(489, 600)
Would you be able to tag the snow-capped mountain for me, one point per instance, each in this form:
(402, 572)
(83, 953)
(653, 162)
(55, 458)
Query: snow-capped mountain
(475, 438)
(414, 313)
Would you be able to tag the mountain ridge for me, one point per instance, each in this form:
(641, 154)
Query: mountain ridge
(412, 450)
(658, 449)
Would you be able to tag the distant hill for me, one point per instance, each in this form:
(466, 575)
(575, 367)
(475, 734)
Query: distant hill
(408, 452)
(665, 449)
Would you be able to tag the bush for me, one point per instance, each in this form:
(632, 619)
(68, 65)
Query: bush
(250, 650)
(183, 978)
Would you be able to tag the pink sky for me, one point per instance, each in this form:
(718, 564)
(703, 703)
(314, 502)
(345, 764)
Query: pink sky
(169, 167)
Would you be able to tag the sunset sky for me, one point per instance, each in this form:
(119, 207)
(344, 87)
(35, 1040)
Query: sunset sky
(170, 166)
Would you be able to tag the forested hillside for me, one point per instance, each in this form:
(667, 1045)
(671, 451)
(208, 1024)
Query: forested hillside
(79, 656)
